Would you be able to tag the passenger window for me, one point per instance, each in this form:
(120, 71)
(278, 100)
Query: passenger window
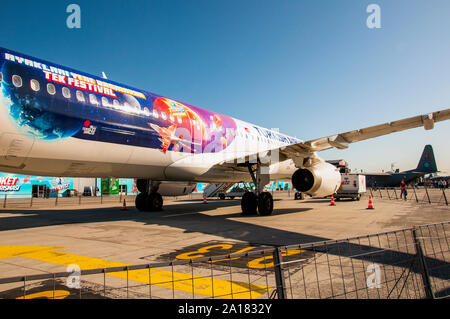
(105, 101)
(1, 77)
(155, 114)
(51, 89)
(171, 118)
(163, 116)
(80, 96)
(66, 92)
(179, 120)
(146, 111)
(17, 81)
(116, 103)
(93, 99)
(34, 85)
(127, 105)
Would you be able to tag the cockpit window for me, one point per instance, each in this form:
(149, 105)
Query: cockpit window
(34, 85)
(80, 96)
(66, 92)
(51, 89)
(17, 81)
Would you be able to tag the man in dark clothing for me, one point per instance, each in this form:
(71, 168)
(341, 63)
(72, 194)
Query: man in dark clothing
(403, 189)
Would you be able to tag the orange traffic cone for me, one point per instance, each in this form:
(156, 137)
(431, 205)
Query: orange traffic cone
(332, 201)
(370, 203)
(204, 199)
(124, 207)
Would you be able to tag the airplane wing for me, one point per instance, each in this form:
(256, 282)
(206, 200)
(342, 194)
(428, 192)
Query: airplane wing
(342, 140)
(302, 152)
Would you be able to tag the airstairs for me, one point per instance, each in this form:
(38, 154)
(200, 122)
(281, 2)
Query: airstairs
(212, 189)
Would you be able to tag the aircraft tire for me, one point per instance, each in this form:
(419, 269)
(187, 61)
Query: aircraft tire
(265, 204)
(299, 196)
(249, 204)
(142, 185)
(154, 202)
(140, 202)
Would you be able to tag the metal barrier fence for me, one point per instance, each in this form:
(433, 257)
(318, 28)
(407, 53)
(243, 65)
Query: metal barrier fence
(410, 263)
(18, 201)
(421, 194)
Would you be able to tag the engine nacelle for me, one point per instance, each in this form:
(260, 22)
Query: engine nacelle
(322, 179)
(176, 188)
(167, 188)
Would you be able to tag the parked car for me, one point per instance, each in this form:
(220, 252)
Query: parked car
(70, 193)
(234, 192)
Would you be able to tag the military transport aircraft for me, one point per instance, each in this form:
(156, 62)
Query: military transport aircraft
(427, 165)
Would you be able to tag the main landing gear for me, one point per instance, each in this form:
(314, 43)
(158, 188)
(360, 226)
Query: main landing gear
(259, 202)
(148, 200)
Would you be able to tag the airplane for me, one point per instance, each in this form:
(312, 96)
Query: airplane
(427, 165)
(167, 136)
(57, 121)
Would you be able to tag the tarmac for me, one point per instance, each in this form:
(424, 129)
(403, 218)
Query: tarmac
(34, 241)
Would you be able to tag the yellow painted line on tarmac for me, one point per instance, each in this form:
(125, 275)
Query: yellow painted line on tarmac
(210, 287)
(50, 294)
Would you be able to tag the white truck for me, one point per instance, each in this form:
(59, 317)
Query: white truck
(352, 186)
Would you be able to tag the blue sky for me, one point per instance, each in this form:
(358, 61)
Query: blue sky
(309, 68)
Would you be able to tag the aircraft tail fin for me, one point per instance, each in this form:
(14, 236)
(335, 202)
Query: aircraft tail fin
(427, 163)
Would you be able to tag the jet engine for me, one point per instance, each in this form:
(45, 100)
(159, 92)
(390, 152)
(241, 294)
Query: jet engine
(321, 179)
(176, 188)
(168, 188)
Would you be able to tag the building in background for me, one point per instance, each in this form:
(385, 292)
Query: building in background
(23, 186)
(36, 186)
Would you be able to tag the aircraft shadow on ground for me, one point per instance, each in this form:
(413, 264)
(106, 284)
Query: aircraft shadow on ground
(231, 226)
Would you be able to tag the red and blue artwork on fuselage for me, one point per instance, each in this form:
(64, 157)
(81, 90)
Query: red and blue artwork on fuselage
(51, 102)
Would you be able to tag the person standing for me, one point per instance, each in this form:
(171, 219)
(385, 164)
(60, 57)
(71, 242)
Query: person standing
(403, 192)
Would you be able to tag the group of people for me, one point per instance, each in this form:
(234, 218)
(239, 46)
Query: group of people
(442, 183)
(403, 187)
